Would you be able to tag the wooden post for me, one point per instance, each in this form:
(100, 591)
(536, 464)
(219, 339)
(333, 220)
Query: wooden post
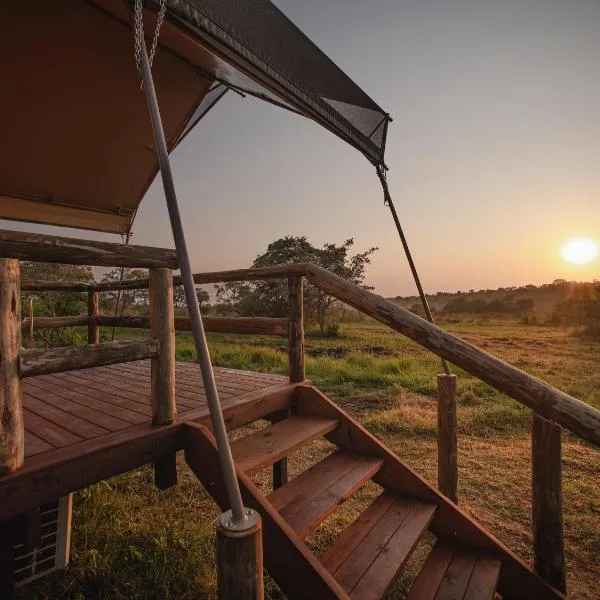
(548, 540)
(296, 330)
(280, 468)
(447, 437)
(295, 361)
(162, 324)
(240, 560)
(93, 311)
(31, 320)
(11, 410)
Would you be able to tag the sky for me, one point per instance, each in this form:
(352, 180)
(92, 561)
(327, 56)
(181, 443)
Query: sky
(494, 152)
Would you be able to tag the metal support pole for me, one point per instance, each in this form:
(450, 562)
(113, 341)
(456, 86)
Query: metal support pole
(411, 264)
(239, 514)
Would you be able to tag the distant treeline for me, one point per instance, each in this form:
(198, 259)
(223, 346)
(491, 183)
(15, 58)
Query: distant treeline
(560, 302)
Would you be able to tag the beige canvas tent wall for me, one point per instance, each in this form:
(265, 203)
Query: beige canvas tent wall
(77, 146)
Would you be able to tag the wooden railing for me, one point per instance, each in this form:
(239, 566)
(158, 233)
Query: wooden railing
(552, 409)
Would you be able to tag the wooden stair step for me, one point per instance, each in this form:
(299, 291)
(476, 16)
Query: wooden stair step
(306, 500)
(454, 573)
(367, 555)
(270, 444)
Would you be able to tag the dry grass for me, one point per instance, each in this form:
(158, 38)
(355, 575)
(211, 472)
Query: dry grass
(131, 541)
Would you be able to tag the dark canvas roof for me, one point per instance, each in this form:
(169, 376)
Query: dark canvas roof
(77, 147)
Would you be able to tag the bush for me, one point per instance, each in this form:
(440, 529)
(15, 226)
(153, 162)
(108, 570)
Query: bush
(332, 330)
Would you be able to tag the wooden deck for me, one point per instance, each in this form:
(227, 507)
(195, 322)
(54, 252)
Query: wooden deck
(67, 409)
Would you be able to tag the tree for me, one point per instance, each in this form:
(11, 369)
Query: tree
(525, 306)
(55, 304)
(119, 302)
(180, 302)
(270, 297)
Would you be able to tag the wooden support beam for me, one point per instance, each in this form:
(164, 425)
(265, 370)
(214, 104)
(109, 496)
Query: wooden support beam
(240, 561)
(447, 437)
(548, 537)
(165, 472)
(40, 361)
(50, 248)
(51, 322)
(296, 330)
(238, 325)
(93, 311)
(11, 410)
(163, 366)
(280, 468)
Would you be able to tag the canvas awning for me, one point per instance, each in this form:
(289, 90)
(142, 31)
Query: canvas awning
(77, 146)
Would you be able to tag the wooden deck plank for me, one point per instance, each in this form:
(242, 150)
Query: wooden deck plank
(456, 579)
(356, 564)
(484, 579)
(430, 577)
(34, 445)
(61, 398)
(191, 381)
(392, 557)
(49, 432)
(118, 416)
(130, 385)
(268, 445)
(351, 537)
(319, 491)
(136, 412)
(73, 423)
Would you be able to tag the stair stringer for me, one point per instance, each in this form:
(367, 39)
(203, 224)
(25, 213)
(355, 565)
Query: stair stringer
(517, 580)
(289, 561)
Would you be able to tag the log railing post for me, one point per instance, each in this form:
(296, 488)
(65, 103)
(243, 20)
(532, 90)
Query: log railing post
(162, 324)
(12, 451)
(93, 311)
(447, 437)
(295, 361)
(296, 329)
(548, 540)
(240, 559)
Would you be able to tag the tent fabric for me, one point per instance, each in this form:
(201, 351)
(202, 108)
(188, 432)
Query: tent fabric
(77, 145)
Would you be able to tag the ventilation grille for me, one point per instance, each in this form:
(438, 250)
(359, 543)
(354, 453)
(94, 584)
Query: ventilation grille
(53, 551)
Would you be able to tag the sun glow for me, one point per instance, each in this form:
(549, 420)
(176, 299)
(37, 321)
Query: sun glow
(579, 251)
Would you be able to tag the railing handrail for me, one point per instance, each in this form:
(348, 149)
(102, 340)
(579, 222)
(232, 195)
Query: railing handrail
(543, 398)
(238, 325)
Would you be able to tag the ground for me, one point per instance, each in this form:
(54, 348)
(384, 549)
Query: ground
(132, 541)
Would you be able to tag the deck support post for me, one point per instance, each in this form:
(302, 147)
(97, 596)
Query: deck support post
(548, 540)
(295, 361)
(164, 410)
(93, 311)
(296, 329)
(12, 434)
(240, 558)
(447, 437)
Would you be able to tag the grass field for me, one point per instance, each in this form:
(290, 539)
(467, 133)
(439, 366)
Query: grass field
(131, 541)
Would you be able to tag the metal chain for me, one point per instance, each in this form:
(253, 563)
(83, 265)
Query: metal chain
(138, 23)
(159, 21)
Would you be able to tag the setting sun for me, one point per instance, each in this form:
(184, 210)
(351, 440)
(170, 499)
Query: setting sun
(579, 251)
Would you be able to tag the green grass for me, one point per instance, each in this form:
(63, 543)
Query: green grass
(131, 541)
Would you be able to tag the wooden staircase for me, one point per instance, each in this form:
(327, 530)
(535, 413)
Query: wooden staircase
(363, 562)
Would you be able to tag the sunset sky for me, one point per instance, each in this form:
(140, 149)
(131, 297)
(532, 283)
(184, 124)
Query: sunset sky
(494, 152)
